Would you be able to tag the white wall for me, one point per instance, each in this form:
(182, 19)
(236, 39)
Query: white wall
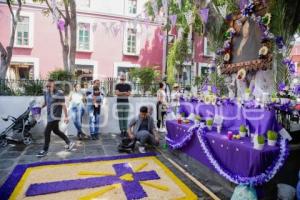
(15, 106)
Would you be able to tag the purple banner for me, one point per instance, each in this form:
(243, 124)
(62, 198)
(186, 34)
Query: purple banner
(204, 14)
(173, 19)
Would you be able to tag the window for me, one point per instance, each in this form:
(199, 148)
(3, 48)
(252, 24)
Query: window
(22, 32)
(84, 36)
(207, 51)
(83, 3)
(132, 6)
(84, 72)
(131, 41)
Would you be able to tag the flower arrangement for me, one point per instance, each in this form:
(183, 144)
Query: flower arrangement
(241, 75)
(266, 19)
(272, 138)
(227, 57)
(263, 51)
(243, 131)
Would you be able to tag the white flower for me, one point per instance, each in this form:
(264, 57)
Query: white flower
(227, 57)
(241, 74)
(263, 51)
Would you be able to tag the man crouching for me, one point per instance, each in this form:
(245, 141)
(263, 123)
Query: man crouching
(143, 129)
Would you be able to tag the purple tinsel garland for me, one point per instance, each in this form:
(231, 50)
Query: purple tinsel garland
(253, 181)
(184, 141)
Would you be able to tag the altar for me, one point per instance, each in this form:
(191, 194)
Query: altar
(234, 159)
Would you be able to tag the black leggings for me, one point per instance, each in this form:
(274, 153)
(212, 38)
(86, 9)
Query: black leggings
(159, 114)
(53, 126)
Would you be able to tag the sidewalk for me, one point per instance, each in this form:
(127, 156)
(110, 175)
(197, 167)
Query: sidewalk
(15, 154)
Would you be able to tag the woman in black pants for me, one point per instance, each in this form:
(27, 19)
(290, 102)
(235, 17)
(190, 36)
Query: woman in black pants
(161, 107)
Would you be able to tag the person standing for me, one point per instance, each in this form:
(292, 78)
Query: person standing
(123, 91)
(77, 100)
(94, 101)
(161, 106)
(167, 89)
(55, 102)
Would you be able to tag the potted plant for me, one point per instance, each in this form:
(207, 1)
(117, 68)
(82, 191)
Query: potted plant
(209, 123)
(243, 131)
(259, 142)
(272, 138)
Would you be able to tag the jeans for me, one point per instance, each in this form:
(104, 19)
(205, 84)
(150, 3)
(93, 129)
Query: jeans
(146, 137)
(94, 122)
(160, 114)
(53, 126)
(123, 110)
(76, 114)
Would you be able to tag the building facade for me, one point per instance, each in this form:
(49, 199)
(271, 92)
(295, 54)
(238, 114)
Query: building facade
(112, 36)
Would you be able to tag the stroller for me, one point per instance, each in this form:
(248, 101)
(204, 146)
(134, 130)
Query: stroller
(18, 131)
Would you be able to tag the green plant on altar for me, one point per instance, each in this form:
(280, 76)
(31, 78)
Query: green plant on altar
(243, 129)
(272, 135)
(209, 122)
(146, 75)
(260, 139)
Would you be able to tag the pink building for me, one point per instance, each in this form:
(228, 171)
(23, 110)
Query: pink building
(113, 36)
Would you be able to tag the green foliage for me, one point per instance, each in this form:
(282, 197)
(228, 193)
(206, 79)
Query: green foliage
(60, 75)
(219, 82)
(145, 75)
(177, 55)
(209, 122)
(5, 90)
(260, 139)
(33, 87)
(243, 129)
(272, 135)
(199, 80)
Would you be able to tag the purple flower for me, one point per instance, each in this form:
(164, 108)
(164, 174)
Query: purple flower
(220, 52)
(248, 10)
(281, 86)
(227, 45)
(279, 42)
(297, 89)
(290, 65)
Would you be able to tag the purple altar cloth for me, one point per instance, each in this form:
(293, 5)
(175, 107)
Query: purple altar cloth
(237, 156)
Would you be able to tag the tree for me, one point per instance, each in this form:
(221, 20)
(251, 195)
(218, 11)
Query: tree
(6, 53)
(65, 10)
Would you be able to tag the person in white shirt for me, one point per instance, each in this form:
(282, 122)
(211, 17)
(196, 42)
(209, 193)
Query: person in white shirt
(175, 96)
(77, 100)
(161, 106)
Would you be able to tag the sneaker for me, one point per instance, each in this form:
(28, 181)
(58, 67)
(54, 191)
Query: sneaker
(70, 146)
(142, 149)
(42, 154)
